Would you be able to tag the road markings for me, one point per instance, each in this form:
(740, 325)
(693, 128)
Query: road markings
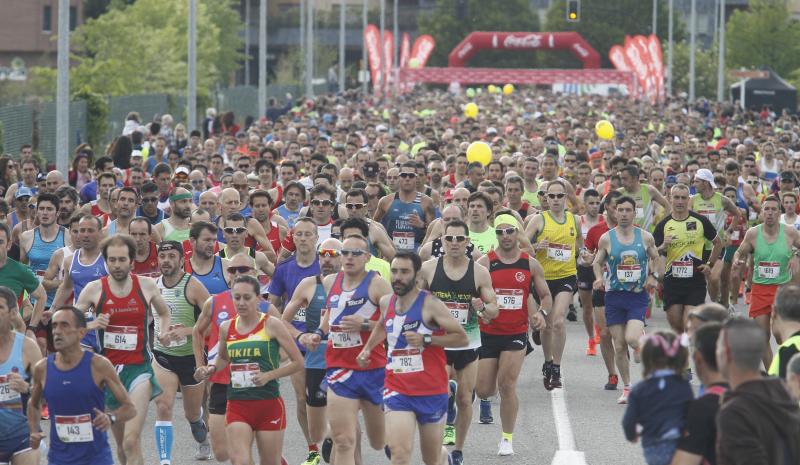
(566, 453)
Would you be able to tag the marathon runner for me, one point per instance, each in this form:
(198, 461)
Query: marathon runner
(79, 423)
(556, 238)
(177, 227)
(630, 254)
(504, 340)
(417, 328)
(145, 263)
(210, 269)
(435, 248)
(466, 289)
(356, 205)
(174, 364)
(235, 233)
(407, 213)
(120, 302)
(124, 209)
(479, 211)
(645, 196)
(591, 217)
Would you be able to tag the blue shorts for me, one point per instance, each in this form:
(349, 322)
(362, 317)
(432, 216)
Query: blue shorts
(357, 384)
(14, 443)
(623, 306)
(428, 409)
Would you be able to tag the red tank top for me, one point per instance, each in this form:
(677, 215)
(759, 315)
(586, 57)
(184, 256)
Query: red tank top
(123, 341)
(512, 284)
(149, 267)
(222, 310)
(277, 202)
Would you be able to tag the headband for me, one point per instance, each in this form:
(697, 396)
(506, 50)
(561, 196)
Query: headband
(506, 219)
(176, 197)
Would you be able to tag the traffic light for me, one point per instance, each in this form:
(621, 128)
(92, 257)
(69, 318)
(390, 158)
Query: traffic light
(573, 11)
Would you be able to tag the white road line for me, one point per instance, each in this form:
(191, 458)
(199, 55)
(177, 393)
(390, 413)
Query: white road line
(566, 453)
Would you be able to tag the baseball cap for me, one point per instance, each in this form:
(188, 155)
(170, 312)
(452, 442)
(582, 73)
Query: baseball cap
(136, 153)
(704, 174)
(491, 131)
(371, 169)
(182, 169)
(381, 128)
(671, 180)
(23, 192)
(788, 176)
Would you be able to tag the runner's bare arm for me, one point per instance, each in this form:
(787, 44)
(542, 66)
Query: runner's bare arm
(381, 241)
(50, 282)
(746, 247)
(264, 264)
(542, 290)
(483, 281)
(157, 302)
(199, 332)
(659, 198)
(733, 210)
(534, 228)
(255, 229)
(35, 403)
(600, 258)
(383, 206)
(278, 331)
(25, 243)
(378, 334)
(38, 308)
(110, 380)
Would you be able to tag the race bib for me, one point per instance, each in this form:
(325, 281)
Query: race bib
(639, 212)
(120, 338)
(178, 342)
(460, 311)
(242, 375)
(629, 273)
(6, 393)
(300, 316)
(681, 269)
(559, 252)
(509, 299)
(74, 428)
(407, 360)
(344, 339)
(735, 235)
(403, 240)
(769, 270)
(711, 215)
(753, 215)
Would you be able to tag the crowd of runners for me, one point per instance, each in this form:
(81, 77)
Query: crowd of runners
(354, 252)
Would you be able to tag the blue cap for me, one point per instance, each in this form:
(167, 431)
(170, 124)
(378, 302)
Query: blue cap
(23, 191)
(671, 180)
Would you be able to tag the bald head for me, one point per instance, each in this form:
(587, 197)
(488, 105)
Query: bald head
(239, 177)
(331, 243)
(242, 260)
(229, 193)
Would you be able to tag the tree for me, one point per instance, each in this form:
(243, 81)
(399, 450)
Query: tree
(449, 26)
(766, 34)
(604, 23)
(705, 66)
(142, 48)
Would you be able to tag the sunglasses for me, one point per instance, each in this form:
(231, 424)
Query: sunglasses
(408, 175)
(352, 252)
(505, 231)
(355, 206)
(455, 238)
(329, 253)
(240, 269)
(324, 203)
(556, 196)
(238, 230)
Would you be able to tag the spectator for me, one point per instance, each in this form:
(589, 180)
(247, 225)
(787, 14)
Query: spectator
(786, 324)
(132, 122)
(793, 377)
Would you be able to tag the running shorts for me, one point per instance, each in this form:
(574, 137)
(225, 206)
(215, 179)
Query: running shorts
(260, 415)
(623, 306)
(183, 367)
(131, 377)
(357, 384)
(461, 358)
(427, 409)
(585, 278)
(316, 394)
(218, 399)
(557, 286)
(762, 298)
(675, 293)
(492, 344)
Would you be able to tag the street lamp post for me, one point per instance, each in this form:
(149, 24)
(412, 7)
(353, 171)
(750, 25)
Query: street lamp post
(262, 58)
(342, 14)
(191, 94)
(62, 89)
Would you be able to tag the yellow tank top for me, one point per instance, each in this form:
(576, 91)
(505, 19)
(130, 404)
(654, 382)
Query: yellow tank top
(558, 259)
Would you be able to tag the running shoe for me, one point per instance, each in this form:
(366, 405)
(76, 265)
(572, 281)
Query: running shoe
(555, 378)
(547, 369)
(591, 348)
(611, 385)
(504, 448)
(486, 412)
(312, 459)
(623, 399)
(572, 315)
(449, 435)
(457, 457)
(387, 451)
(199, 429)
(326, 449)
(203, 451)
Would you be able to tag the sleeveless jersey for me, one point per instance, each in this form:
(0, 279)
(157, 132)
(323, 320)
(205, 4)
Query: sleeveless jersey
(413, 371)
(214, 280)
(484, 241)
(310, 317)
(82, 275)
(289, 215)
(771, 260)
(627, 263)
(149, 267)
(154, 220)
(124, 340)
(9, 398)
(437, 250)
(795, 224)
(558, 259)
(644, 206)
(73, 439)
(344, 346)
(39, 256)
(512, 285)
(404, 236)
(173, 234)
(585, 226)
(251, 353)
(457, 296)
(181, 312)
(711, 209)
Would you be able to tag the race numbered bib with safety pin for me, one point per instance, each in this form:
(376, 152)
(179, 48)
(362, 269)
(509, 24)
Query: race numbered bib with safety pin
(242, 375)
(74, 428)
(682, 269)
(629, 273)
(509, 299)
(300, 316)
(460, 311)
(407, 360)
(120, 338)
(559, 252)
(769, 270)
(6, 393)
(343, 339)
(403, 240)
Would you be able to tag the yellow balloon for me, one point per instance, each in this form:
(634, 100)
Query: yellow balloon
(480, 152)
(508, 89)
(604, 129)
(492, 89)
(471, 110)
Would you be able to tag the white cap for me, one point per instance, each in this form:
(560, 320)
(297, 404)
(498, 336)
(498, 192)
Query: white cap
(182, 169)
(704, 174)
(136, 153)
(381, 128)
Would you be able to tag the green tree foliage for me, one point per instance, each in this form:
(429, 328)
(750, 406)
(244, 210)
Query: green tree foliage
(705, 84)
(444, 25)
(604, 23)
(765, 34)
(97, 115)
(142, 48)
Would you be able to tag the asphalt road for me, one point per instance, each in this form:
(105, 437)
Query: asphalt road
(580, 423)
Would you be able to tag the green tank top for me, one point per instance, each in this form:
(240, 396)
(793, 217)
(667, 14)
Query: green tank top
(711, 209)
(484, 241)
(771, 261)
(180, 312)
(172, 234)
(251, 353)
(644, 206)
(532, 198)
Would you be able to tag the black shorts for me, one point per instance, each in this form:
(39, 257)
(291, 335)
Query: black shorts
(585, 278)
(493, 344)
(316, 396)
(182, 366)
(677, 293)
(461, 358)
(557, 286)
(598, 298)
(218, 399)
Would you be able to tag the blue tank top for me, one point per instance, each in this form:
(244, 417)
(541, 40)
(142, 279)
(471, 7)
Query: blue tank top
(112, 228)
(214, 280)
(81, 276)
(14, 364)
(403, 235)
(740, 200)
(627, 263)
(313, 314)
(288, 215)
(40, 253)
(160, 216)
(71, 411)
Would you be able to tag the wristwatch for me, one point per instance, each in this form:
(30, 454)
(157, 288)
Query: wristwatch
(543, 312)
(427, 340)
(655, 275)
(112, 418)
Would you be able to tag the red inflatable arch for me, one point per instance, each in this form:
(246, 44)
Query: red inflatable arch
(571, 41)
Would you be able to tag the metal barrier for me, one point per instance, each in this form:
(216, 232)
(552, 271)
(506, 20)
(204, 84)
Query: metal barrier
(17, 123)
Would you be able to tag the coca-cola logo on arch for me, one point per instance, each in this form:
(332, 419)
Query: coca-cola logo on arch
(526, 41)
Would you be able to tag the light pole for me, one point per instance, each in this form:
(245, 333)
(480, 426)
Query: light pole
(692, 49)
(262, 58)
(382, 80)
(669, 51)
(396, 47)
(654, 29)
(247, 42)
(342, 14)
(191, 94)
(721, 64)
(364, 83)
(309, 49)
(62, 89)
